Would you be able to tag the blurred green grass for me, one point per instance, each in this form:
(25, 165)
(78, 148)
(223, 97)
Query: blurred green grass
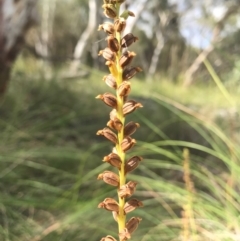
(50, 158)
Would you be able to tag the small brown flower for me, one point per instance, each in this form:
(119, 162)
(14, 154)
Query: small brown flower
(109, 204)
(107, 27)
(110, 178)
(110, 10)
(127, 143)
(109, 99)
(126, 58)
(130, 106)
(108, 238)
(130, 128)
(110, 135)
(127, 190)
(113, 43)
(131, 205)
(130, 71)
(124, 235)
(127, 40)
(108, 54)
(119, 24)
(115, 124)
(110, 81)
(132, 224)
(124, 88)
(113, 159)
(132, 164)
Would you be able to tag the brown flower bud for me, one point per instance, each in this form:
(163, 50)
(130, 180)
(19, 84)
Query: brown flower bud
(132, 224)
(130, 128)
(108, 238)
(119, 24)
(127, 143)
(115, 124)
(110, 178)
(124, 235)
(110, 81)
(127, 40)
(110, 10)
(110, 135)
(109, 99)
(109, 204)
(113, 43)
(126, 58)
(132, 164)
(127, 190)
(130, 106)
(108, 54)
(124, 88)
(132, 205)
(113, 159)
(130, 71)
(107, 27)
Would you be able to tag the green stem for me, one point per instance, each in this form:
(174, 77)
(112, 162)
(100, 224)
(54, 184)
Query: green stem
(120, 102)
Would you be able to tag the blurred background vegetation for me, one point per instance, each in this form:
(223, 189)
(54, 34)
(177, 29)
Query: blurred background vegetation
(189, 136)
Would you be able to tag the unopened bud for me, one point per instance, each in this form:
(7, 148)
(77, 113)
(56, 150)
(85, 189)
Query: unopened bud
(107, 54)
(109, 204)
(132, 205)
(107, 27)
(115, 124)
(130, 128)
(110, 10)
(132, 224)
(127, 190)
(130, 71)
(110, 81)
(110, 135)
(127, 143)
(126, 58)
(132, 164)
(110, 178)
(109, 99)
(130, 106)
(127, 40)
(113, 159)
(124, 88)
(119, 24)
(113, 43)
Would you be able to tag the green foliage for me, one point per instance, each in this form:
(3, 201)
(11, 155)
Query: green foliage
(48, 156)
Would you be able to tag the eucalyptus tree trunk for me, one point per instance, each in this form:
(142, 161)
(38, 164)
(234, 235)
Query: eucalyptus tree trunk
(85, 36)
(15, 19)
(219, 26)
